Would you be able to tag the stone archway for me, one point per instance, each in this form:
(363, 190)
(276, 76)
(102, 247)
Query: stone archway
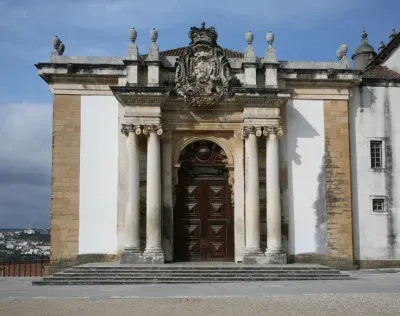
(203, 212)
(184, 141)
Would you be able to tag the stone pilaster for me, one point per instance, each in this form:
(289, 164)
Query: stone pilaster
(65, 177)
(153, 252)
(338, 180)
(168, 225)
(239, 201)
(132, 212)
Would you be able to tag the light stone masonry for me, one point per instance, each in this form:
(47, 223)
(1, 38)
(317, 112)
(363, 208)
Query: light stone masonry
(65, 176)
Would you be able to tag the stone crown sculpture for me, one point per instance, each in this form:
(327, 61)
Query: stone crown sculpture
(203, 74)
(203, 36)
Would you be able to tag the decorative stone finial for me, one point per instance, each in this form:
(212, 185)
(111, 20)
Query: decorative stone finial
(153, 35)
(56, 43)
(342, 51)
(270, 51)
(364, 37)
(250, 53)
(61, 49)
(132, 34)
(154, 51)
(270, 38)
(393, 34)
(133, 51)
(381, 47)
(249, 37)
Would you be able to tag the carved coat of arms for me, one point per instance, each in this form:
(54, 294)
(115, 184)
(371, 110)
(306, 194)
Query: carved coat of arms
(203, 74)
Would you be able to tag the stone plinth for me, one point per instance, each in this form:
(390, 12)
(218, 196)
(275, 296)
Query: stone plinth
(130, 257)
(267, 258)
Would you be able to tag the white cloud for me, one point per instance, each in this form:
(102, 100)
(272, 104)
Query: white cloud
(25, 163)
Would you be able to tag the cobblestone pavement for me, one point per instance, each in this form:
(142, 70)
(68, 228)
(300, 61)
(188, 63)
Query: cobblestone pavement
(371, 293)
(307, 305)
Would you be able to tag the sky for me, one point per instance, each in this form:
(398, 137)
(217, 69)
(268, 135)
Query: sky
(304, 30)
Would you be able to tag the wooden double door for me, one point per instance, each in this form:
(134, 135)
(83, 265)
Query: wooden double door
(203, 215)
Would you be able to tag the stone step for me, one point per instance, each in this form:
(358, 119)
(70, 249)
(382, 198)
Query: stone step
(193, 278)
(196, 273)
(177, 273)
(179, 281)
(195, 269)
(192, 275)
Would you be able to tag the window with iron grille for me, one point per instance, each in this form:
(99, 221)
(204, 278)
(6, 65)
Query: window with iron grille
(376, 154)
(378, 205)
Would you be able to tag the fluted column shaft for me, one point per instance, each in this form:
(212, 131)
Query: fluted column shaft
(252, 194)
(274, 238)
(153, 191)
(132, 211)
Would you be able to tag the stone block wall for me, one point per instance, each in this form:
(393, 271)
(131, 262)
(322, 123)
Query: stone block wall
(65, 176)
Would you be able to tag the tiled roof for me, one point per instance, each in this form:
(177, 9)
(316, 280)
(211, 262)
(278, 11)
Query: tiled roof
(381, 72)
(181, 50)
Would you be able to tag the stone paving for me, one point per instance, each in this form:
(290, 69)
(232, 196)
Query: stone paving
(370, 293)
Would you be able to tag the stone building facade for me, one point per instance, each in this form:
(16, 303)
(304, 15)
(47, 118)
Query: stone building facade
(204, 154)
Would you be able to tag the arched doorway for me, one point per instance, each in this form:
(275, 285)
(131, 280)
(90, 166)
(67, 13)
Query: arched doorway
(203, 213)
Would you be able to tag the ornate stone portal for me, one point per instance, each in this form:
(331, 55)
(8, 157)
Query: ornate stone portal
(203, 86)
(203, 74)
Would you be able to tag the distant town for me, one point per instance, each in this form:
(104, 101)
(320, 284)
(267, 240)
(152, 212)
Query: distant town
(24, 244)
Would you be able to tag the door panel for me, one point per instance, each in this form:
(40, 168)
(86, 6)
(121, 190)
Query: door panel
(203, 214)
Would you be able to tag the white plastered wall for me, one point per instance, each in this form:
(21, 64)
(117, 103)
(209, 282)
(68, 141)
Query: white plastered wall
(98, 175)
(374, 115)
(305, 148)
(393, 61)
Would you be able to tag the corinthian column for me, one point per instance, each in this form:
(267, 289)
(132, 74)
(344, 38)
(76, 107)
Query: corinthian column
(132, 211)
(274, 252)
(153, 252)
(252, 195)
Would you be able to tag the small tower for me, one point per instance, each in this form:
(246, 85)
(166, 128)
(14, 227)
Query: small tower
(362, 53)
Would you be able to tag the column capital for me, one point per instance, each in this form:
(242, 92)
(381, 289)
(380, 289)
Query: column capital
(130, 128)
(247, 130)
(275, 130)
(147, 129)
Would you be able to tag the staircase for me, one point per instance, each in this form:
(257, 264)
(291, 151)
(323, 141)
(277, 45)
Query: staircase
(108, 273)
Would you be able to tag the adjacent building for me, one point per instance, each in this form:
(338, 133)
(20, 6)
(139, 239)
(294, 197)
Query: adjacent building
(201, 153)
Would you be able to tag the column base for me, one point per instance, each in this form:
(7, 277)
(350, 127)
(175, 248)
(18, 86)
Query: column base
(275, 258)
(267, 258)
(252, 256)
(153, 256)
